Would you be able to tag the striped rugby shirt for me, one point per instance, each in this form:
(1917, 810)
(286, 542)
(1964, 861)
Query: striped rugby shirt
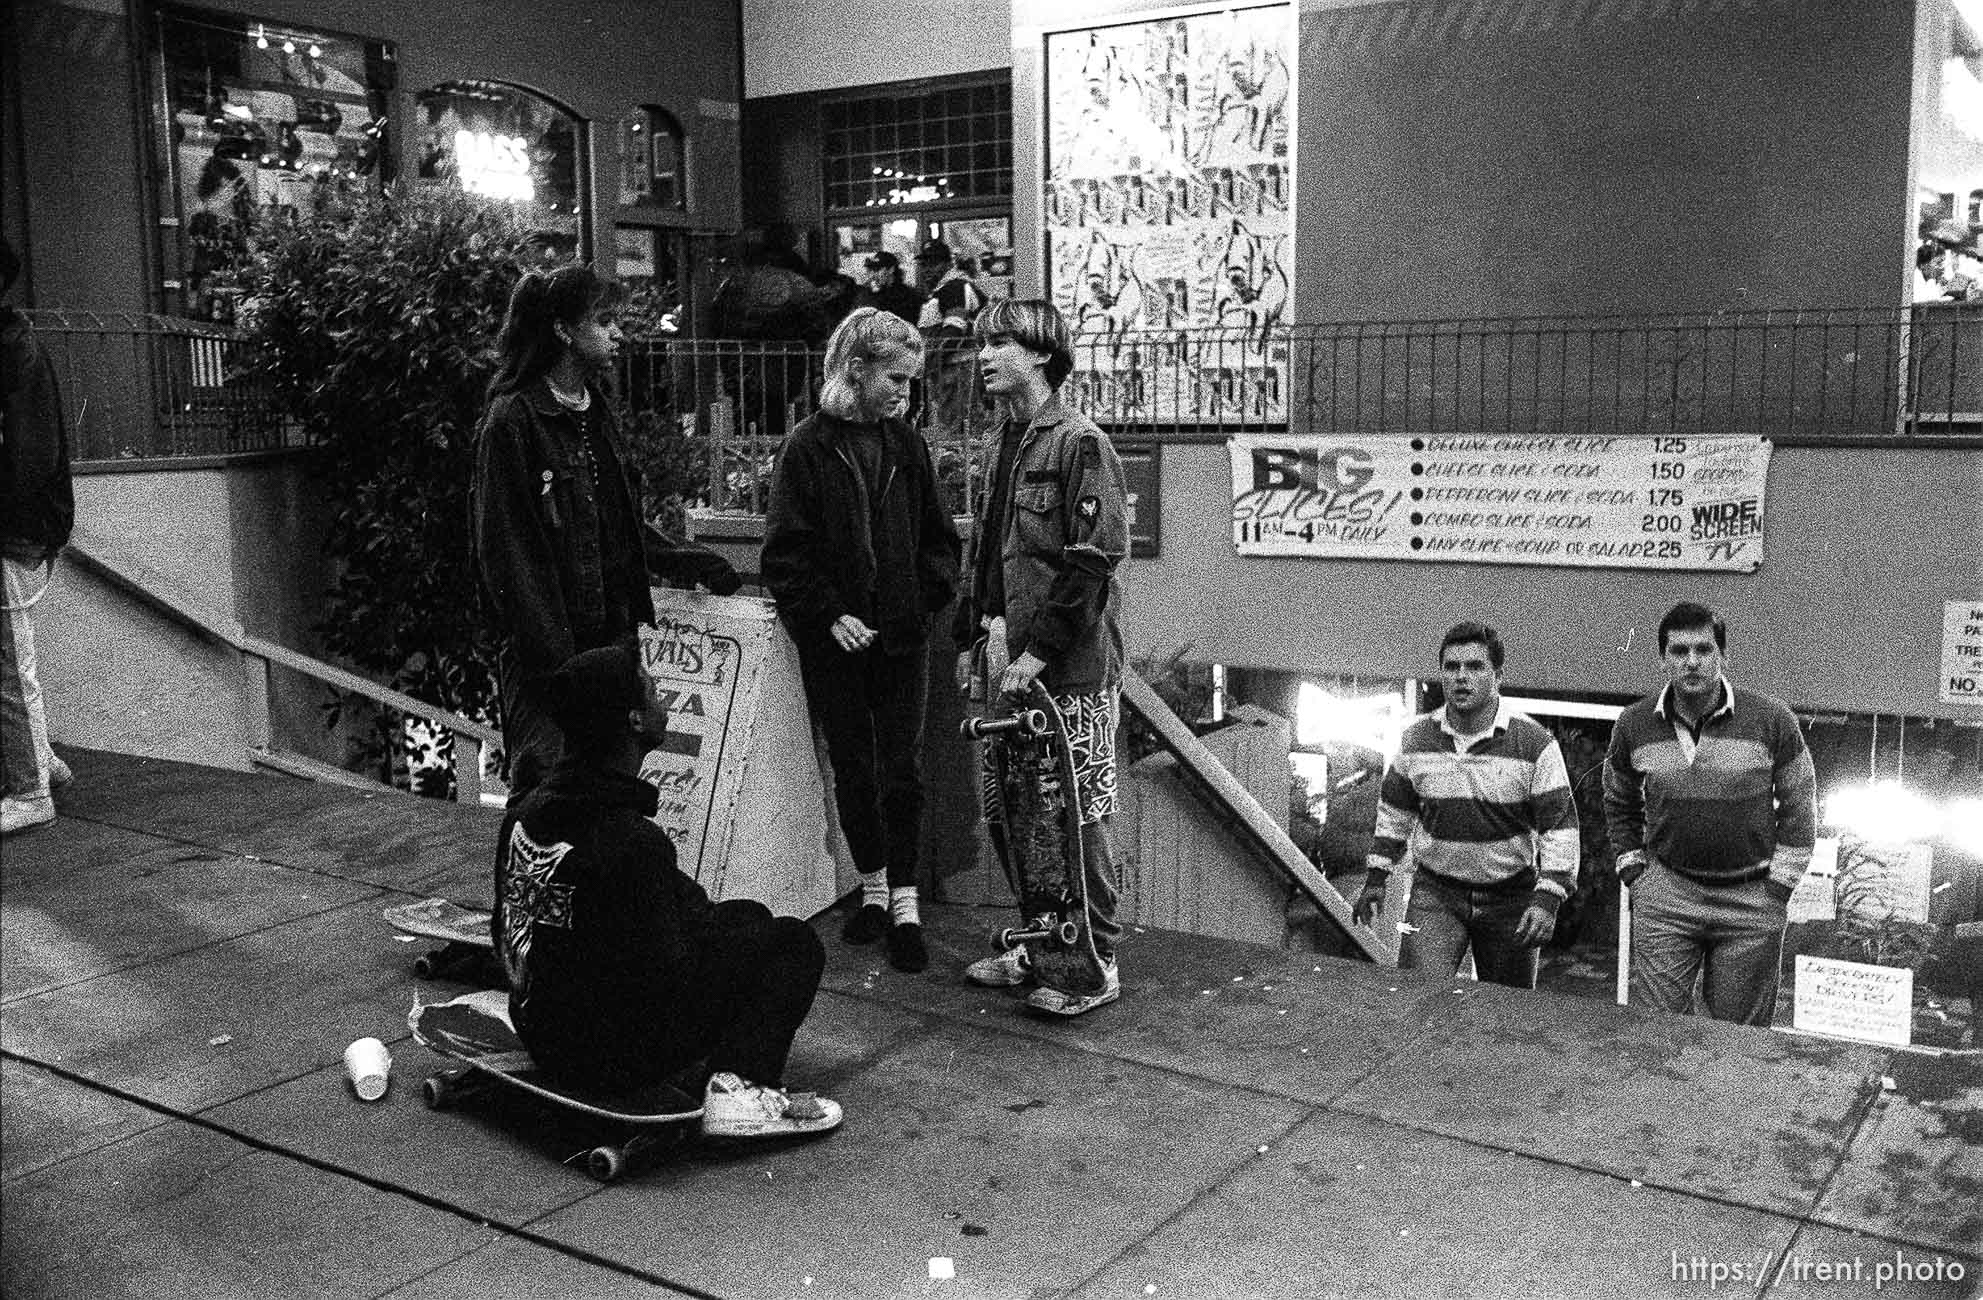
(1479, 811)
(1732, 803)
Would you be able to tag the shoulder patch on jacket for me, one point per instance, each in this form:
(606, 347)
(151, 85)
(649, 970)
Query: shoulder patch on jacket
(1089, 507)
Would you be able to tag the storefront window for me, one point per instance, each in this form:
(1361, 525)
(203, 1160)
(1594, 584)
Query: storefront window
(259, 118)
(511, 146)
(925, 146)
(1948, 258)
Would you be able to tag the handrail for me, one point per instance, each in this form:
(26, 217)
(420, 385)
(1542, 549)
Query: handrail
(1259, 830)
(98, 554)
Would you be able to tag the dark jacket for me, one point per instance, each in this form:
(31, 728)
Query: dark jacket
(37, 502)
(903, 300)
(545, 567)
(1065, 531)
(604, 933)
(829, 550)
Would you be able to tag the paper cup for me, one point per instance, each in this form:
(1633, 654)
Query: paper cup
(368, 1065)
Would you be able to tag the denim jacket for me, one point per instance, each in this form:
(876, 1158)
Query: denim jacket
(535, 530)
(1066, 530)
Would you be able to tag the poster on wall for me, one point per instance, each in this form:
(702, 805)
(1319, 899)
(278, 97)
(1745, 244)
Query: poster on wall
(1587, 502)
(1167, 212)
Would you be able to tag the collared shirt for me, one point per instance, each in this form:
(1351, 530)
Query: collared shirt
(1689, 733)
(1481, 810)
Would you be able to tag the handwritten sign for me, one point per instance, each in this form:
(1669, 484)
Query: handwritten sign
(694, 666)
(742, 794)
(1850, 999)
(1962, 652)
(1593, 502)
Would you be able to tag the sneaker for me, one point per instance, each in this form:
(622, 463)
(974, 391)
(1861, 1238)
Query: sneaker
(1056, 1003)
(733, 1106)
(866, 924)
(1008, 970)
(58, 772)
(906, 949)
(20, 811)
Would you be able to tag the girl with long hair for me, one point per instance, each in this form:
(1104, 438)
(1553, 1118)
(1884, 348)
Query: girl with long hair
(556, 519)
(861, 554)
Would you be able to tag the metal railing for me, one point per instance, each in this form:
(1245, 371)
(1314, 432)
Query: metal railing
(1816, 376)
(138, 386)
(1786, 375)
(154, 386)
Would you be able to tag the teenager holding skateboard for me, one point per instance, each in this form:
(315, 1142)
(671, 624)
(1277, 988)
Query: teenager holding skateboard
(1042, 594)
(623, 973)
(860, 554)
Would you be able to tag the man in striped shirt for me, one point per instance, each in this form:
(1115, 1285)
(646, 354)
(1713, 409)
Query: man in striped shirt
(1710, 801)
(1480, 796)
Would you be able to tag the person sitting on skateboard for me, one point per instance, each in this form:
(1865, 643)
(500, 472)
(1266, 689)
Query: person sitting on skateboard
(622, 972)
(1042, 591)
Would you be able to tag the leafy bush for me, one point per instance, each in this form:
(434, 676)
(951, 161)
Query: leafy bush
(375, 327)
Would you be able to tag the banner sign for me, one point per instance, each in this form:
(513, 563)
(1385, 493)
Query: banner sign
(1590, 502)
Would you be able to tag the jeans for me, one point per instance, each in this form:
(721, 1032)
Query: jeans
(1731, 936)
(1450, 918)
(869, 708)
(24, 753)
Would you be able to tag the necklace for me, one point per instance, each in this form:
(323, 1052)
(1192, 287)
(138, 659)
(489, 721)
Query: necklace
(578, 403)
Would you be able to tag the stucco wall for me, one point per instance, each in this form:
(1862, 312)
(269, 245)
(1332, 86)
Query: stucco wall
(1846, 613)
(1477, 157)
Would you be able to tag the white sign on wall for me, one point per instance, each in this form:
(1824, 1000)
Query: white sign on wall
(1850, 999)
(1962, 652)
(1593, 502)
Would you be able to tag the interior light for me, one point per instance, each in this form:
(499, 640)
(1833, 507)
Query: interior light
(1962, 825)
(316, 50)
(289, 47)
(261, 37)
(1885, 812)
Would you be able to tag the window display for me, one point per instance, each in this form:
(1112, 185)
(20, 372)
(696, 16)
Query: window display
(259, 118)
(507, 144)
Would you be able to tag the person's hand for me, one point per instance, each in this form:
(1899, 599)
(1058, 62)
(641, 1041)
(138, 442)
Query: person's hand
(964, 672)
(1370, 902)
(852, 635)
(1020, 674)
(1538, 923)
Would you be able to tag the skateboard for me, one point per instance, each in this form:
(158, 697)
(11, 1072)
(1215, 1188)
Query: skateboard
(462, 931)
(475, 1030)
(1034, 819)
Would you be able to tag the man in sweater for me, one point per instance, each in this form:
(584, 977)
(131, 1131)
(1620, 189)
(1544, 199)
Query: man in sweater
(1709, 798)
(1481, 796)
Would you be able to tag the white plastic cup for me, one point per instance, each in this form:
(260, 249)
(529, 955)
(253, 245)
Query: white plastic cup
(369, 1067)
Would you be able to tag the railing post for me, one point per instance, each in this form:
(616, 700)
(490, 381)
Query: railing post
(467, 770)
(255, 700)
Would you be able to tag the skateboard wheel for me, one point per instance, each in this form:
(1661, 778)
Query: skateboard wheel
(605, 1163)
(1069, 932)
(1007, 940)
(424, 966)
(436, 1092)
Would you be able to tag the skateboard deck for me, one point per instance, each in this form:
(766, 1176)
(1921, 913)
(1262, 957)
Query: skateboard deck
(1034, 818)
(475, 1030)
(463, 933)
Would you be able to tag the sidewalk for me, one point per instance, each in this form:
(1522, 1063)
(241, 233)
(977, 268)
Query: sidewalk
(185, 953)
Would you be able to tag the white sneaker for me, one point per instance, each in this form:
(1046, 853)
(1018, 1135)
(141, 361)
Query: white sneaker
(1055, 1002)
(733, 1106)
(58, 772)
(20, 811)
(1008, 970)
